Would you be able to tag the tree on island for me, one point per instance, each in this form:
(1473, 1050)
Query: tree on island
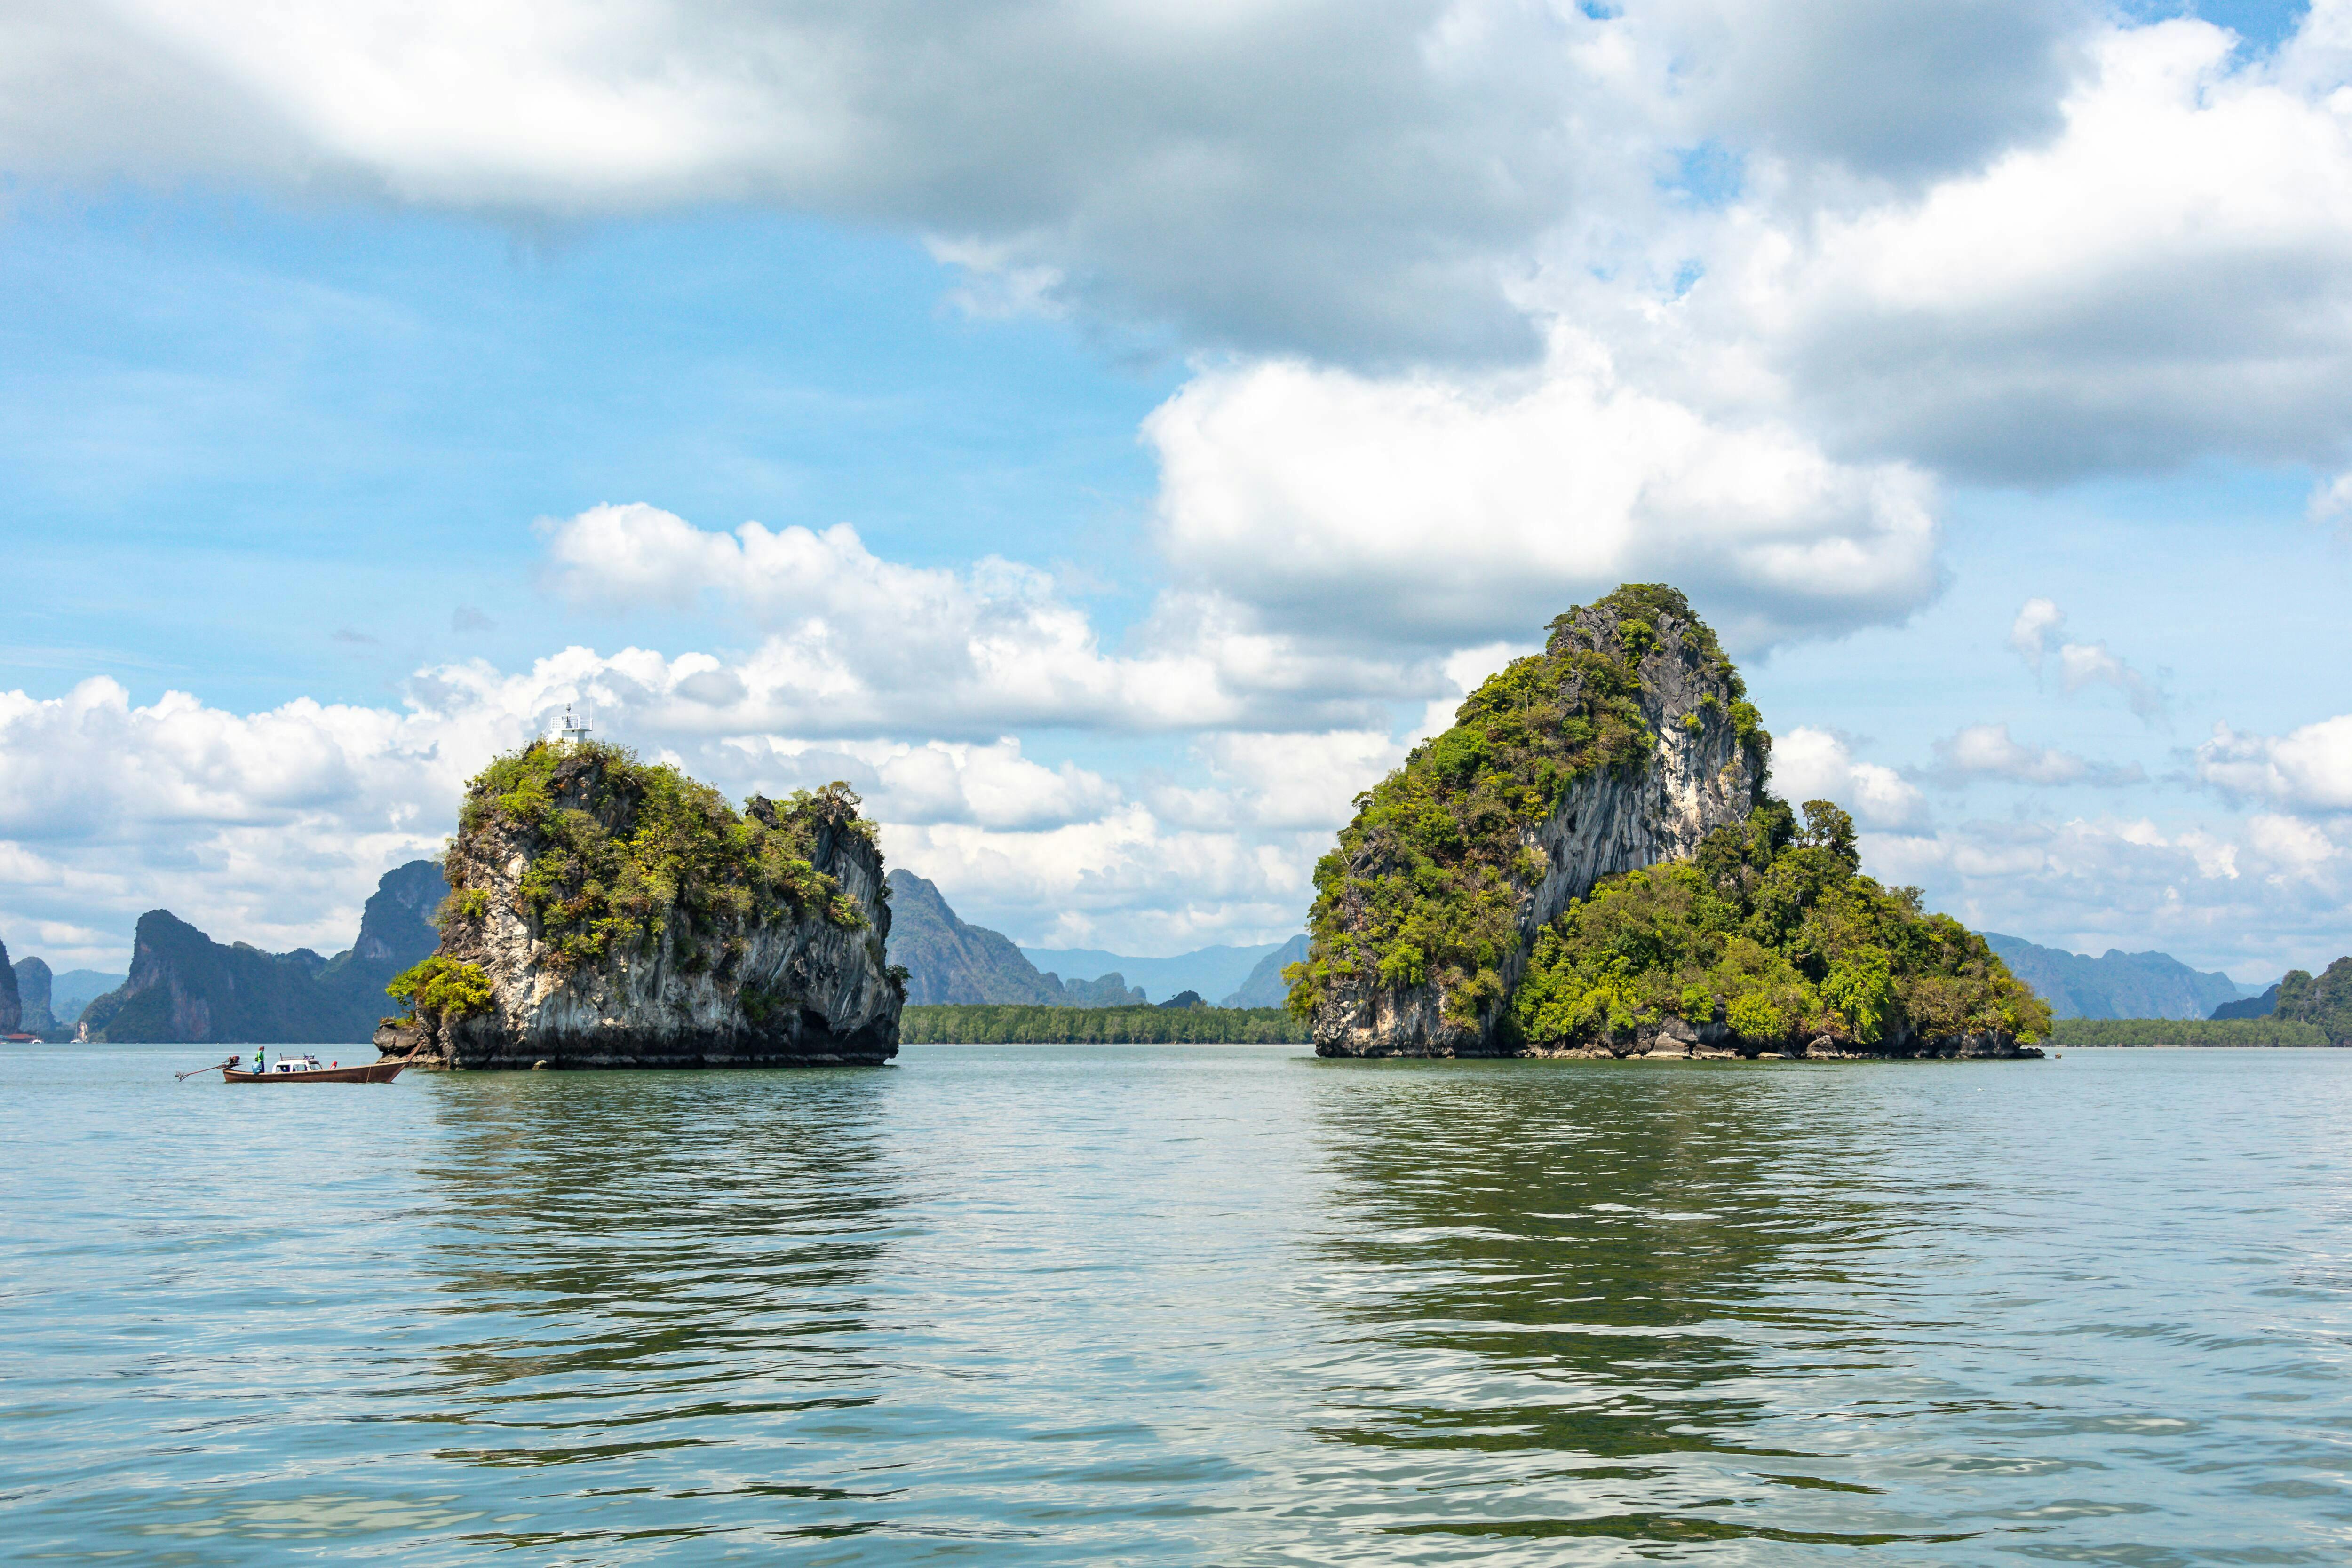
(1773, 930)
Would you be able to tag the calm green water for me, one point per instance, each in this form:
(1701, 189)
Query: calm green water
(1182, 1305)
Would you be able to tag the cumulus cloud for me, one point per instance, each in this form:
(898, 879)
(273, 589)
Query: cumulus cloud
(1424, 509)
(2163, 278)
(858, 645)
(2308, 769)
(2007, 242)
(2256, 897)
(1990, 751)
(272, 827)
(1810, 764)
(2084, 664)
(1303, 173)
(1903, 89)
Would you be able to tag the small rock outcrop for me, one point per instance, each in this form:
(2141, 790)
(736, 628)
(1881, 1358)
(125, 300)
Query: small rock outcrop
(608, 912)
(1587, 865)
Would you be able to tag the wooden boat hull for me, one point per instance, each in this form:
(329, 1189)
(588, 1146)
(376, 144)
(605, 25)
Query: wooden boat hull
(373, 1073)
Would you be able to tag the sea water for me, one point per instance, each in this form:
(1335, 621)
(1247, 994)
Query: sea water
(1182, 1305)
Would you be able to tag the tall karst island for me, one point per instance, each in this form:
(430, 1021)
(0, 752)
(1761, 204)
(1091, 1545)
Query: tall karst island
(1589, 863)
(604, 912)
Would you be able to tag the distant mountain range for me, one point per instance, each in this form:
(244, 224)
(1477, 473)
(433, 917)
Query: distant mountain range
(71, 991)
(950, 960)
(1213, 972)
(2115, 985)
(183, 985)
(1265, 988)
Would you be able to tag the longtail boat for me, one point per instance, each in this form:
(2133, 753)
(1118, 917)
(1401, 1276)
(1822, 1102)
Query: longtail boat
(306, 1070)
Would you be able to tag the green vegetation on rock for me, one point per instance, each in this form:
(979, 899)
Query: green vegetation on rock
(685, 854)
(989, 1024)
(1426, 880)
(2264, 1031)
(441, 988)
(2324, 1001)
(1772, 930)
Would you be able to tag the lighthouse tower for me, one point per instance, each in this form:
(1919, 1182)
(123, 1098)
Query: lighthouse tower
(573, 731)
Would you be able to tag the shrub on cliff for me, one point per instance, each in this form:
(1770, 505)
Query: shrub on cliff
(1426, 880)
(441, 988)
(1772, 928)
(645, 847)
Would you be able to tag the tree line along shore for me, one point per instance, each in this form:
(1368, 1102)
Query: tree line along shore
(2265, 1031)
(985, 1023)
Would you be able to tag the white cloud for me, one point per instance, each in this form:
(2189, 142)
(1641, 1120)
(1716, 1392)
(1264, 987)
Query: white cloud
(1990, 751)
(1302, 172)
(2164, 277)
(920, 784)
(2308, 769)
(1422, 508)
(860, 646)
(2331, 500)
(1810, 764)
(2002, 242)
(2080, 664)
(2036, 623)
(1897, 89)
(2254, 898)
(271, 828)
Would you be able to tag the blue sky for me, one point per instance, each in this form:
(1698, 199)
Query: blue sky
(1211, 395)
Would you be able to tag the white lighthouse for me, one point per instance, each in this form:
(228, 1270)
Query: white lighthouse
(573, 731)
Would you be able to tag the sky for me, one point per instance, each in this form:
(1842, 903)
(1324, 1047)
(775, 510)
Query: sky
(1109, 432)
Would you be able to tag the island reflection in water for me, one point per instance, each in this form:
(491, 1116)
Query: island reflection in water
(634, 1258)
(1185, 1305)
(1571, 1307)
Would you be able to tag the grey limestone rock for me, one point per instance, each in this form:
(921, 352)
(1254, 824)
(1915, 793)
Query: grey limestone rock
(777, 984)
(1698, 777)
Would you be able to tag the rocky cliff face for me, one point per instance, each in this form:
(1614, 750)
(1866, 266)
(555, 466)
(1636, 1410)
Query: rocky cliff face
(12, 1009)
(34, 992)
(950, 961)
(1626, 742)
(397, 926)
(616, 915)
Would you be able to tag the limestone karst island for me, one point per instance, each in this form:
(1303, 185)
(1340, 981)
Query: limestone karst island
(1589, 863)
(608, 912)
